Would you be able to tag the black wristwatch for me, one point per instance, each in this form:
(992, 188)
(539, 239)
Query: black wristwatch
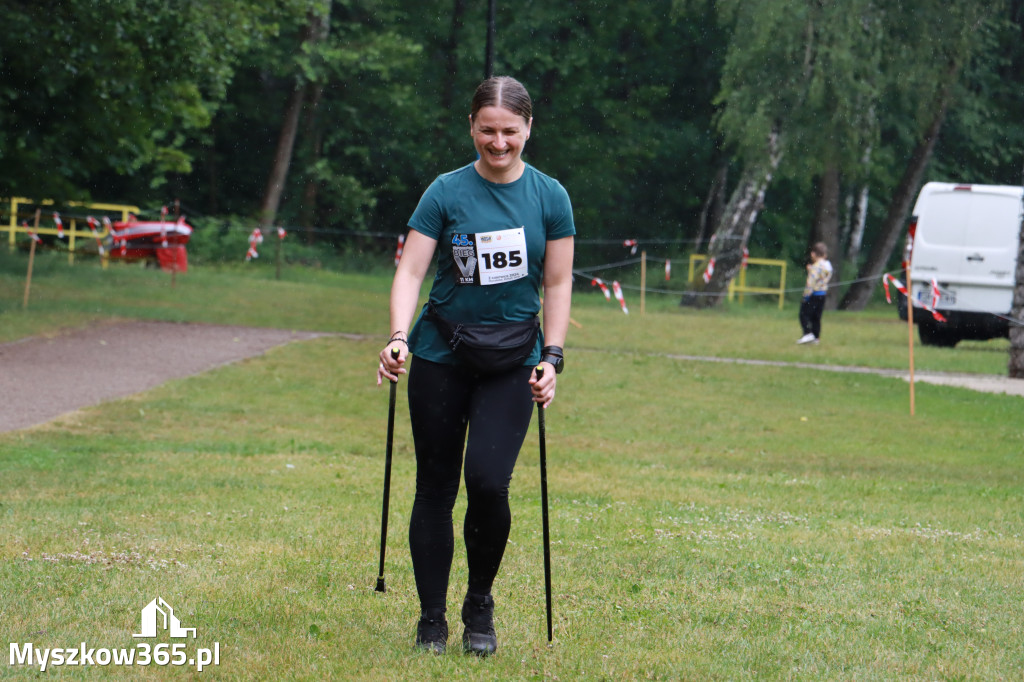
(553, 355)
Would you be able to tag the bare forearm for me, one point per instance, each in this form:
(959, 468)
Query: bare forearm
(557, 302)
(557, 291)
(405, 292)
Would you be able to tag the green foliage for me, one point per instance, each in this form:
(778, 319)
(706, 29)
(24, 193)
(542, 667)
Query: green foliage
(637, 105)
(94, 86)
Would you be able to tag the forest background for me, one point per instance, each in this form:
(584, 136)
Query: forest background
(768, 124)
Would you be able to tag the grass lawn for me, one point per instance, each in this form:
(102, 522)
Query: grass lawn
(708, 521)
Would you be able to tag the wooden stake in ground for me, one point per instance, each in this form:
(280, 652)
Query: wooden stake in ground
(910, 335)
(280, 238)
(31, 260)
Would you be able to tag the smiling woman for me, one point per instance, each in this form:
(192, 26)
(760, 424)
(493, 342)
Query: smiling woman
(499, 123)
(500, 231)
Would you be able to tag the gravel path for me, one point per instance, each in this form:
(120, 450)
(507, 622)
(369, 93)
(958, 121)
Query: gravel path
(987, 383)
(44, 377)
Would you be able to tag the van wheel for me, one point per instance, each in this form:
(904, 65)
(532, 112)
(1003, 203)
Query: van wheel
(932, 335)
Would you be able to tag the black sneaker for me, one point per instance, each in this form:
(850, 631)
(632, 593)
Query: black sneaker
(432, 633)
(478, 616)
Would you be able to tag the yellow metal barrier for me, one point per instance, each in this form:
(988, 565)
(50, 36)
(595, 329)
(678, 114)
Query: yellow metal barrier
(741, 286)
(71, 231)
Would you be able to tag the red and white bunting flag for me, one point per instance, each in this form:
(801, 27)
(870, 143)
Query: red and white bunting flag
(399, 249)
(597, 282)
(631, 243)
(281, 233)
(668, 270)
(251, 253)
(60, 225)
(709, 270)
(618, 296)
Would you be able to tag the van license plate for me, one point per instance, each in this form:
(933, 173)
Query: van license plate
(947, 298)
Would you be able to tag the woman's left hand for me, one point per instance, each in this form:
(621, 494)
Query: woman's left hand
(544, 388)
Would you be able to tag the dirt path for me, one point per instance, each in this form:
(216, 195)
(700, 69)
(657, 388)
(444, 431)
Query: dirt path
(988, 383)
(44, 377)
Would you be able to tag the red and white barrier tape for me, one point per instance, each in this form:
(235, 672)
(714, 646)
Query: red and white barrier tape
(399, 249)
(886, 278)
(60, 225)
(618, 296)
(631, 244)
(709, 270)
(255, 238)
(604, 287)
(96, 235)
(31, 233)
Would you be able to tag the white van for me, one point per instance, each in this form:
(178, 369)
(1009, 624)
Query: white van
(965, 237)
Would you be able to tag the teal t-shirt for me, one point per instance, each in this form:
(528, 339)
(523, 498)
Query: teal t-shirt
(491, 240)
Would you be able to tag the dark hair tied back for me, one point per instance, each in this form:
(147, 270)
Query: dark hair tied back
(505, 92)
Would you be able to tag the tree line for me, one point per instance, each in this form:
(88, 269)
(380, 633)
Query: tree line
(765, 124)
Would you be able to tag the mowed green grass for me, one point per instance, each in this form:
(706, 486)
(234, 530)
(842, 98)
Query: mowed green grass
(708, 520)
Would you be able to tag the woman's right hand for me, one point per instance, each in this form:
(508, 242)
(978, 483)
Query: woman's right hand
(392, 361)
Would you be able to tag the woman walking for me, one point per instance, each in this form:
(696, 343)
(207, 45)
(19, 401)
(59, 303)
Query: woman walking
(501, 230)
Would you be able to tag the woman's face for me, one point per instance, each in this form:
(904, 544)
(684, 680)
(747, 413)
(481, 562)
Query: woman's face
(499, 136)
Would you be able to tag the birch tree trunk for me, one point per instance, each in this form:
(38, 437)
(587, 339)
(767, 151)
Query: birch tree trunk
(713, 204)
(734, 227)
(859, 220)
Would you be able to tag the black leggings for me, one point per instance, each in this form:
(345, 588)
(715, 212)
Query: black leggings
(811, 309)
(446, 401)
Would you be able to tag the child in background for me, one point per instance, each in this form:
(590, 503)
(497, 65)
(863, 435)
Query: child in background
(819, 272)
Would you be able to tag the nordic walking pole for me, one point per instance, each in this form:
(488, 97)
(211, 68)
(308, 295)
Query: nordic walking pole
(544, 505)
(381, 587)
(910, 336)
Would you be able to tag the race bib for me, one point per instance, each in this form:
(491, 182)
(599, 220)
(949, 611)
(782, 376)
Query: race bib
(488, 258)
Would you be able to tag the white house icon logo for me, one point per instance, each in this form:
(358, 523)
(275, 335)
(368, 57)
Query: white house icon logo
(159, 614)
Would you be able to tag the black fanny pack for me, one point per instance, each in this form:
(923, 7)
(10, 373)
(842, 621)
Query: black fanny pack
(488, 348)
